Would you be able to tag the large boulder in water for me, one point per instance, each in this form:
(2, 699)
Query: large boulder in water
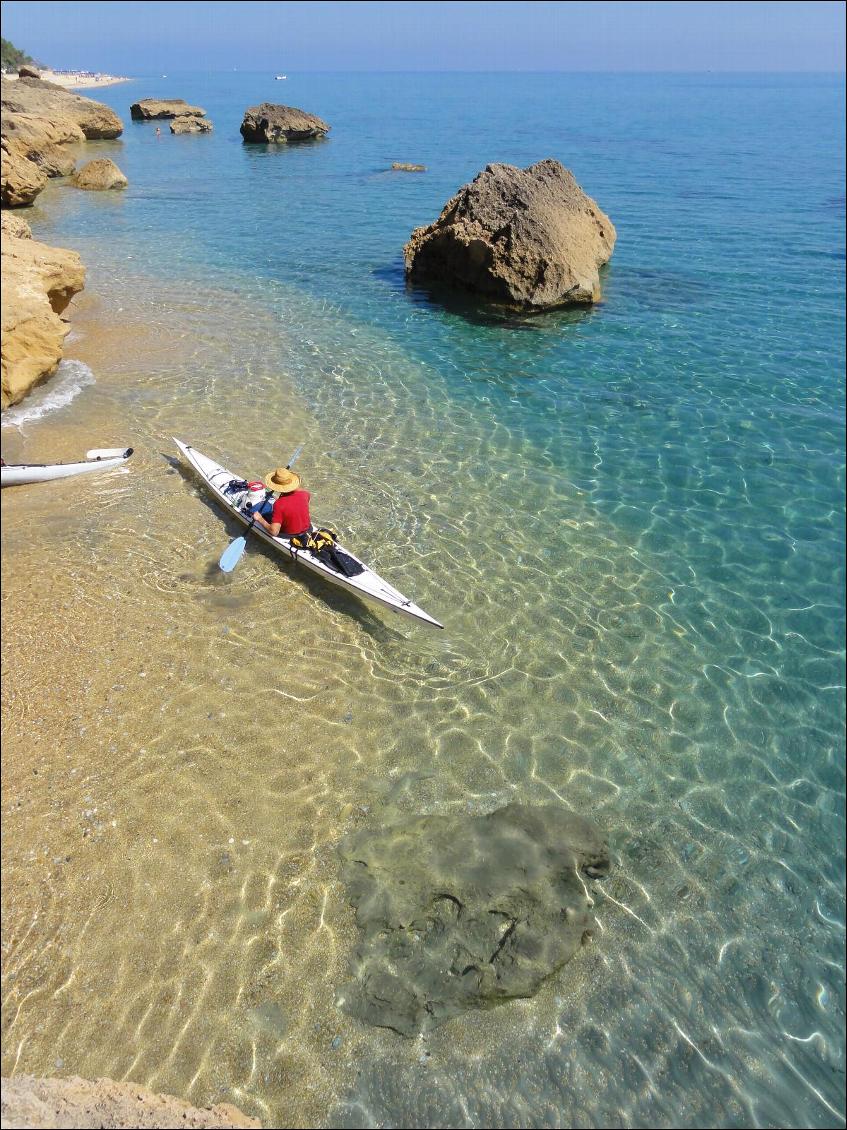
(150, 109)
(100, 174)
(191, 125)
(281, 124)
(523, 237)
(462, 912)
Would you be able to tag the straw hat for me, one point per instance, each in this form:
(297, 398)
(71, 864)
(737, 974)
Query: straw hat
(282, 481)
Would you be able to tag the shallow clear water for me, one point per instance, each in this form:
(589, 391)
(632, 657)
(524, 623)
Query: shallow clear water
(630, 520)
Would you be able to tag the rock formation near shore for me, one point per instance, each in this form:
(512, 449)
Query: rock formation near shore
(29, 1103)
(529, 238)
(56, 104)
(21, 180)
(152, 109)
(100, 174)
(41, 126)
(38, 282)
(191, 125)
(407, 167)
(462, 912)
(44, 141)
(281, 124)
(14, 226)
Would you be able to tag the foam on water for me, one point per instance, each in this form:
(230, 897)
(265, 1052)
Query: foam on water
(57, 393)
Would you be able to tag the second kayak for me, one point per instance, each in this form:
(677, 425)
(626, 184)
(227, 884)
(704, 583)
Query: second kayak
(98, 459)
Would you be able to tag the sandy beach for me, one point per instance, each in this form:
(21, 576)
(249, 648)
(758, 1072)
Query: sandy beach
(78, 80)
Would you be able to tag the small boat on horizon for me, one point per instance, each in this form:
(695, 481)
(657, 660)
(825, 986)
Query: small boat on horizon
(278, 77)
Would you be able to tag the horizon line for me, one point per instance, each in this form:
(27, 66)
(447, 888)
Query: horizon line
(481, 71)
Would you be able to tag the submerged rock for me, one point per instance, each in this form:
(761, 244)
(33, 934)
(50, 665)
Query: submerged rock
(281, 124)
(32, 1103)
(38, 282)
(462, 912)
(187, 124)
(100, 174)
(149, 109)
(406, 167)
(523, 237)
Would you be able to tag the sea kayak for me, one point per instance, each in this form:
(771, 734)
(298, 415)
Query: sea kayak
(367, 584)
(98, 459)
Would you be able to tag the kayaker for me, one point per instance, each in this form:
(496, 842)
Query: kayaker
(290, 514)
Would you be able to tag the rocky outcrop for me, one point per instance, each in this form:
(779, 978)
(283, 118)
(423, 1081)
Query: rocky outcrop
(41, 123)
(29, 1103)
(29, 72)
(21, 180)
(44, 141)
(54, 103)
(406, 167)
(100, 174)
(281, 124)
(529, 238)
(460, 912)
(14, 226)
(41, 126)
(38, 282)
(150, 109)
(191, 125)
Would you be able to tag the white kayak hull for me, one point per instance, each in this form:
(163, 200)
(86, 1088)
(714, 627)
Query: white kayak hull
(98, 460)
(367, 584)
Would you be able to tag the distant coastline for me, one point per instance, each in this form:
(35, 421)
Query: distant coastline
(78, 80)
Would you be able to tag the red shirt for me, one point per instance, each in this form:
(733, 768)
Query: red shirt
(292, 512)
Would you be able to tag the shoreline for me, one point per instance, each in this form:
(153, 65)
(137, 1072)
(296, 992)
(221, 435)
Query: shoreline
(77, 80)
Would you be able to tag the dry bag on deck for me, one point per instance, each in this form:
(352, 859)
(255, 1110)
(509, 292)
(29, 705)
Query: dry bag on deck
(323, 544)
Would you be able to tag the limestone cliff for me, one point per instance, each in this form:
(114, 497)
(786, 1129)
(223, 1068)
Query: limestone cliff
(38, 282)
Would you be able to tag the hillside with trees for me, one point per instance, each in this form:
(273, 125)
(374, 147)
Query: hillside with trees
(12, 57)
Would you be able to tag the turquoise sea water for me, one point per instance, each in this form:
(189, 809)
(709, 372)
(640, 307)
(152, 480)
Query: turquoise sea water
(630, 519)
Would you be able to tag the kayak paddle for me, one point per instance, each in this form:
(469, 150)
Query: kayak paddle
(235, 550)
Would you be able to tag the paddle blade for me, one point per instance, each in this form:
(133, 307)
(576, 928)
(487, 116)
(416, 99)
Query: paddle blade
(232, 554)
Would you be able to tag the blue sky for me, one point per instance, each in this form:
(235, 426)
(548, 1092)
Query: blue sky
(139, 39)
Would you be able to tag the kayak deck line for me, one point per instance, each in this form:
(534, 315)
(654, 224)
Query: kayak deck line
(367, 584)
